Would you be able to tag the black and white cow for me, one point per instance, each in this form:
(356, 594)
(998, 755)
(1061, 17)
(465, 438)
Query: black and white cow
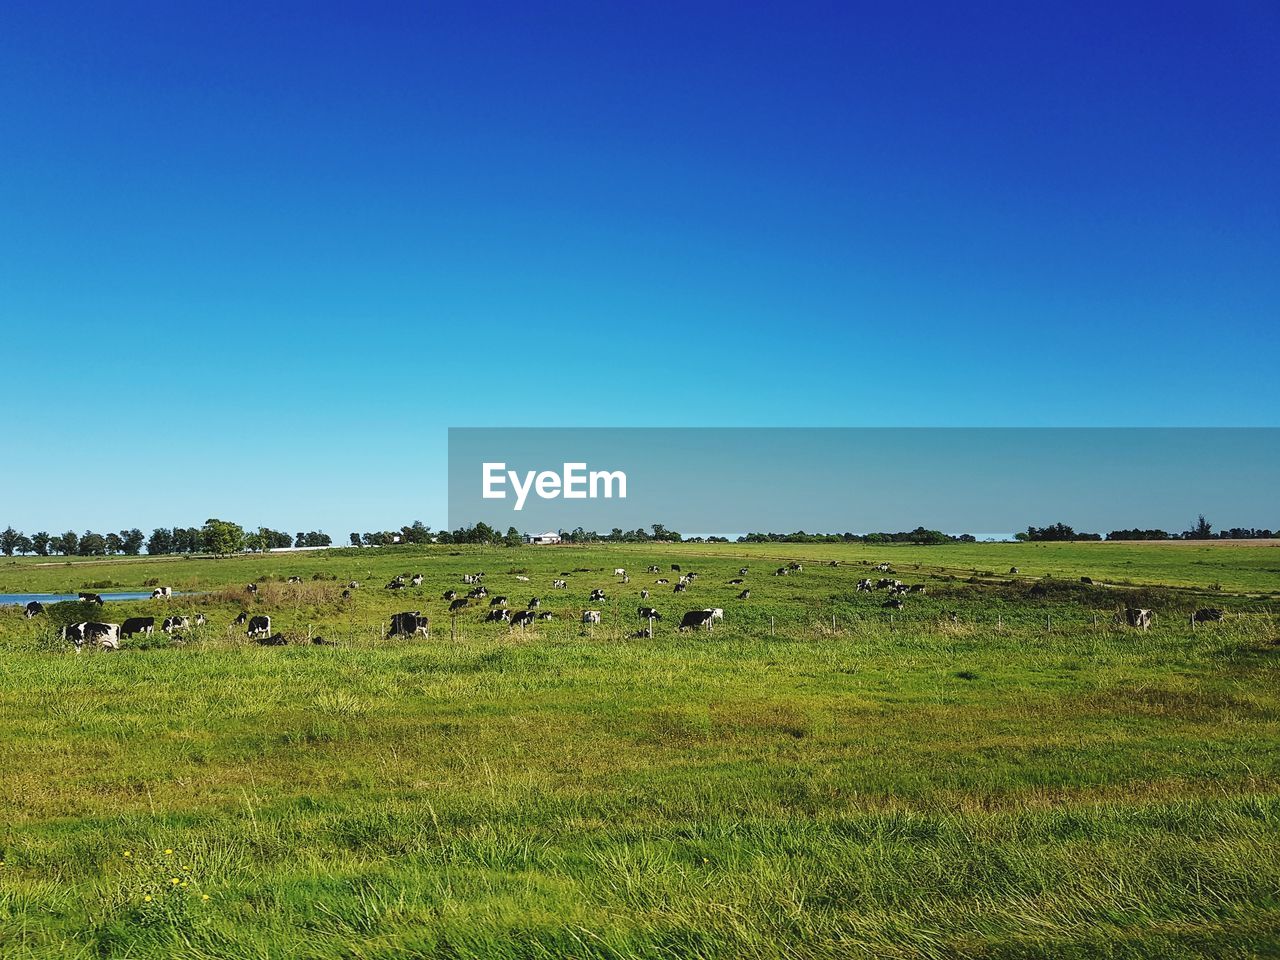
(653, 568)
(717, 613)
(745, 595)
(252, 588)
(736, 582)
(272, 640)
(477, 593)
(782, 572)
(174, 624)
(864, 586)
(742, 571)
(1208, 614)
(534, 603)
(458, 604)
(917, 588)
(499, 615)
(91, 598)
(681, 587)
(693, 619)
(294, 579)
(89, 633)
(416, 580)
(33, 609)
(559, 585)
(134, 625)
(523, 618)
(644, 594)
(241, 619)
(648, 613)
(259, 626)
(408, 624)
(662, 582)
(675, 567)
(450, 595)
(498, 602)
(619, 572)
(596, 595)
(396, 584)
(894, 603)
(200, 620)
(546, 615)
(1138, 617)
(162, 593)
(590, 616)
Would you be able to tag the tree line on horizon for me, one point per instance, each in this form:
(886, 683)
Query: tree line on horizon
(224, 537)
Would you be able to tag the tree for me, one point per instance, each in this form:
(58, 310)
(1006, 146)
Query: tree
(70, 543)
(222, 536)
(160, 542)
(115, 544)
(24, 543)
(8, 541)
(92, 544)
(513, 538)
(1203, 530)
(355, 539)
(40, 543)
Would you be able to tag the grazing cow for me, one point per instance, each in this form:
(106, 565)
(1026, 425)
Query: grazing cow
(1208, 614)
(104, 635)
(794, 567)
(174, 624)
(883, 567)
(886, 582)
(91, 598)
(1013, 569)
(322, 642)
(498, 602)
(468, 578)
(522, 618)
(502, 615)
(477, 593)
(916, 588)
(834, 563)
(653, 568)
(294, 579)
(894, 603)
(346, 594)
(781, 572)
(898, 589)
(736, 582)
(252, 588)
(742, 571)
(546, 615)
(619, 572)
(162, 593)
(396, 584)
(458, 604)
(1138, 617)
(1088, 580)
(648, 613)
(684, 579)
(200, 620)
(408, 624)
(450, 595)
(717, 613)
(353, 585)
(865, 586)
(597, 594)
(745, 595)
(416, 580)
(644, 594)
(259, 626)
(675, 567)
(590, 616)
(662, 582)
(241, 619)
(559, 585)
(680, 588)
(33, 609)
(534, 603)
(137, 625)
(274, 640)
(694, 619)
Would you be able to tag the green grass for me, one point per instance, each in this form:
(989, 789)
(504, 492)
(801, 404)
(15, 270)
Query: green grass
(1019, 782)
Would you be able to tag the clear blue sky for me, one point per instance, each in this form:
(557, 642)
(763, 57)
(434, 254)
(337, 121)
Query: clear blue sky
(256, 258)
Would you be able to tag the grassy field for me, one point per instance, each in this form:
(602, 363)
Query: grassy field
(995, 771)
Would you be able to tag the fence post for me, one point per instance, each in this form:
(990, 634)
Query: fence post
(1048, 622)
(771, 626)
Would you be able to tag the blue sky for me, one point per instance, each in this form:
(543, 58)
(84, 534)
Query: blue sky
(256, 258)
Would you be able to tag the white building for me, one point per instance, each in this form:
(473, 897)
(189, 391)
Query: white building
(549, 537)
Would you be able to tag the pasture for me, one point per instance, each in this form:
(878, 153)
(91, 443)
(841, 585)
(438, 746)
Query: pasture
(995, 770)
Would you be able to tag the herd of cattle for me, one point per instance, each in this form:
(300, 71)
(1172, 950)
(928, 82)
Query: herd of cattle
(412, 623)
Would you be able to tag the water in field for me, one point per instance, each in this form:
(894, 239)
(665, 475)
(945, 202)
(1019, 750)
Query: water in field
(22, 599)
